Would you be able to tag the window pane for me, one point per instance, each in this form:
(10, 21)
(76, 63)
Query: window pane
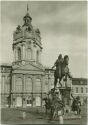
(81, 89)
(23, 51)
(19, 54)
(29, 84)
(19, 85)
(38, 85)
(37, 56)
(76, 89)
(29, 54)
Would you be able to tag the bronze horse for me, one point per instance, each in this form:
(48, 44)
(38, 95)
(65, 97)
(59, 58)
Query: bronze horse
(62, 69)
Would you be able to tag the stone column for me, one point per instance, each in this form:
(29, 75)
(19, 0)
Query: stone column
(40, 56)
(26, 52)
(33, 89)
(13, 83)
(3, 82)
(14, 52)
(34, 52)
(23, 91)
(24, 78)
(2, 90)
(41, 89)
(12, 88)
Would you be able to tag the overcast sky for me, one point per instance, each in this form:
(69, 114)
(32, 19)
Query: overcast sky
(62, 26)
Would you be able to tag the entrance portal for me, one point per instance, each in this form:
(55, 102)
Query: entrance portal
(38, 101)
(19, 101)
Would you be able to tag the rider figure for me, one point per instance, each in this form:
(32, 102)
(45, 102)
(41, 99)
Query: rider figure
(65, 70)
(58, 65)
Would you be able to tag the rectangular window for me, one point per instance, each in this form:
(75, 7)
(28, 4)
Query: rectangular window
(7, 87)
(19, 84)
(28, 101)
(38, 85)
(76, 89)
(72, 89)
(29, 84)
(81, 89)
(19, 88)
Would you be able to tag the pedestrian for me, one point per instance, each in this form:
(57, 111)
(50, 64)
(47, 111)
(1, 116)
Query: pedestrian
(24, 115)
(78, 105)
(61, 119)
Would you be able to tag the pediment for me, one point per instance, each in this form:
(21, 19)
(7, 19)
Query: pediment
(28, 67)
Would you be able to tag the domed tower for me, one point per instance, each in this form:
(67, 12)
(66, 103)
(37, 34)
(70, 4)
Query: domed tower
(27, 71)
(27, 45)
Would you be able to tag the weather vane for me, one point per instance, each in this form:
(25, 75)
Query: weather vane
(27, 7)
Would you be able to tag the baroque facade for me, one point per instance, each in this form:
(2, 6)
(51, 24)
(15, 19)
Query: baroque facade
(24, 80)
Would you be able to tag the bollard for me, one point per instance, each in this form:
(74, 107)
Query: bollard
(60, 119)
(75, 112)
(24, 115)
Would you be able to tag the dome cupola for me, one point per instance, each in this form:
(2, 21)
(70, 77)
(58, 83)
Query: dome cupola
(27, 18)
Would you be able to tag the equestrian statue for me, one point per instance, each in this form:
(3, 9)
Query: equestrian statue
(62, 69)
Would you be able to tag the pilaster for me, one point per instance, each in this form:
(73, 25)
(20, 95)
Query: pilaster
(23, 52)
(3, 82)
(14, 52)
(13, 83)
(34, 52)
(16, 55)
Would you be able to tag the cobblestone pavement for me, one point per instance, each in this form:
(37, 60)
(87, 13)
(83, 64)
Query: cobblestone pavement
(15, 116)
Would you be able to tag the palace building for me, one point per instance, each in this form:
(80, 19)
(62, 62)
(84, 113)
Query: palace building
(80, 88)
(26, 81)
(22, 83)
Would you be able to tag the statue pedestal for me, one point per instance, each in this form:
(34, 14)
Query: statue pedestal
(65, 91)
(65, 94)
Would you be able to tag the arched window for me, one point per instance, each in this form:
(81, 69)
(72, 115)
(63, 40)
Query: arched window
(29, 53)
(52, 81)
(29, 84)
(23, 47)
(76, 89)
(81, 89)
(38, 85)
(19, 84)
(37, 56)
(19, 53)
(38, 100)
